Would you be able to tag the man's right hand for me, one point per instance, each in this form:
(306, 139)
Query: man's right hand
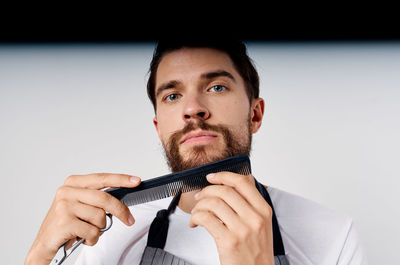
(79, 211)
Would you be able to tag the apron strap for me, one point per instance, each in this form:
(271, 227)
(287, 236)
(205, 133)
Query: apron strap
(158, 232)
(279, 249)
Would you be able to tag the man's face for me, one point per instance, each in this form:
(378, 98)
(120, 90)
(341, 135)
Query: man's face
(203, 112)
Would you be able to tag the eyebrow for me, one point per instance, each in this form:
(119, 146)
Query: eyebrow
(167, 85)
(217, 73)
(206, 76)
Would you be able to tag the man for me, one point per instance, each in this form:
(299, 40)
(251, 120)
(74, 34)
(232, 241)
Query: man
(207, 106)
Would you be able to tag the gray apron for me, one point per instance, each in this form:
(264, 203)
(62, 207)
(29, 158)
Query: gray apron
(154, 253)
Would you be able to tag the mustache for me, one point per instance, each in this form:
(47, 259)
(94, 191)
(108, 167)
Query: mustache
(191, 126)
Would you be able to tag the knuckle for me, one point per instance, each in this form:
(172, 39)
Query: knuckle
(258, 223)
(233, 242)
(95, 240)
(215, 203)
(194, 217)
(104, 197)
(91, 241)
(70, 179)
(93, 234)
(103, 179)
(225, 189)
(101, 215)
(63, 221)
(208, 189)
(205, 203)
(61, 206)
(268, 211)
(200, 216)
(121, 209)
(61, 192)
(243, 180)
(99, 218)
(244, 234)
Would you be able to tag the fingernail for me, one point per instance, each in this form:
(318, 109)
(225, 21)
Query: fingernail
(131, 220)
(196, 195)
(211, 176)
(134, 179)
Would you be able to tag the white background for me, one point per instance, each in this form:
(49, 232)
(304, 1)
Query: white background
(330, 133)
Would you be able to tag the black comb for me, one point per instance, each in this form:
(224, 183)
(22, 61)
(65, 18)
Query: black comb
(186, 180)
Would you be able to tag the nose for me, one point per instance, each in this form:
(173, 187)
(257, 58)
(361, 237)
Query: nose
(195, 109)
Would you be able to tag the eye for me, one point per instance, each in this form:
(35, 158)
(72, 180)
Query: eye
(172, 97)
(217, 88)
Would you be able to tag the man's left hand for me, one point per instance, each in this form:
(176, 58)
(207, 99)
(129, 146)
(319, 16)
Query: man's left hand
(237, 217)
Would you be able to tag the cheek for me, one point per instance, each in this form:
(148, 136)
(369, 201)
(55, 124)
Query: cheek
(163, 130)
(168, 123)
(234, 114)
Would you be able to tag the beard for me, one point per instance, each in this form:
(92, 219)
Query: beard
(235, 144)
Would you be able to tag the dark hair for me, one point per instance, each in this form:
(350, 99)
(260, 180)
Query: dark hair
(236, 50)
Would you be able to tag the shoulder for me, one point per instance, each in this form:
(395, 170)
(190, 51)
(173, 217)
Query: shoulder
(293, 206)
(310, 229)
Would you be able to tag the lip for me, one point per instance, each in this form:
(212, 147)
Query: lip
(199, 135)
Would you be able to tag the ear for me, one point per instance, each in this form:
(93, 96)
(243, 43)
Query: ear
(155, 122)
(257, 114)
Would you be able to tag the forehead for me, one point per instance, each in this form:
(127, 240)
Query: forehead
(187, 63)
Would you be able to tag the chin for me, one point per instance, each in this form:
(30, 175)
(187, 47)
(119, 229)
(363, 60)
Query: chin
(203, 154)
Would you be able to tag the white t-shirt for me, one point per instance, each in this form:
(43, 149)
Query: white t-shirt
(312, 235)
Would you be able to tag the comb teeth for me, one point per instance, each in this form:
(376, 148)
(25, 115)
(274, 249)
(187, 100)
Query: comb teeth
(187, 180)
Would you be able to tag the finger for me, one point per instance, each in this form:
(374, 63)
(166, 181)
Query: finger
(231, 197)
(221, 210)
(102, 180)
(211, 223)
(93, 215)
(97, 198)
(84, 230)
(246, 188)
